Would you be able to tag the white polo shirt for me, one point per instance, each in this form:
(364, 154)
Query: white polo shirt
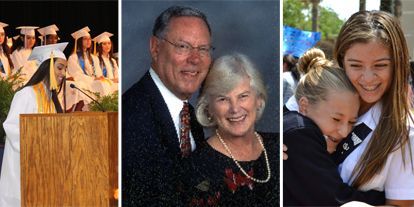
(395, 179)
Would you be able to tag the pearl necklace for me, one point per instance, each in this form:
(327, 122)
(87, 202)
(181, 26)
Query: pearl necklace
(240, 167)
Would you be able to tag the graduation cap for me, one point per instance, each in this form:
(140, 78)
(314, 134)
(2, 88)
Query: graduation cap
(48, 30)
(103, 37)
(2, 25)
(27, 30)
(84, 32)
(42, 53)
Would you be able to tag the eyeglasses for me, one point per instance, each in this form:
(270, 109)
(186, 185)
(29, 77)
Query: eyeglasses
(185, 49)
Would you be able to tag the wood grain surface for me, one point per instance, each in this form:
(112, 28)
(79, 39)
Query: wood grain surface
(69, 159)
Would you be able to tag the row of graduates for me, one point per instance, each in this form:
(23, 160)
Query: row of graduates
(96, 72)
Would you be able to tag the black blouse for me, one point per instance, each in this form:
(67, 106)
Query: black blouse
(213, 179)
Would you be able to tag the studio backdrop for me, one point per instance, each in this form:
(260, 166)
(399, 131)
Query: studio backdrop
(247, 27)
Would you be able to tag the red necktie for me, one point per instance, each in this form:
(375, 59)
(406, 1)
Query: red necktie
(185, 144)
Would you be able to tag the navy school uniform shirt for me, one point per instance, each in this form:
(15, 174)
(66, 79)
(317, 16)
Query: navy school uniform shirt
(310, 175)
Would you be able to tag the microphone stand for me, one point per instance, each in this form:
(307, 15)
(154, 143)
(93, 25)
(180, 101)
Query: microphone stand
(100, 106)
(64, 94)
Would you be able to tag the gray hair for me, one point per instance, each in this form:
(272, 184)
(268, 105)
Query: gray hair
(162, 21)
(225, 74)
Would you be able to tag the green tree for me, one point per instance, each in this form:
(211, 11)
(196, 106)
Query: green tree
(330, 23)
(298, 14)
(294, 14)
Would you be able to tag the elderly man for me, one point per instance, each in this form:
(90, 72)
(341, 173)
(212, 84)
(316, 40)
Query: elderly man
(159, 128)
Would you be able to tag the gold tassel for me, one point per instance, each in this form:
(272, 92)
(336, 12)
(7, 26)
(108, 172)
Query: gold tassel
(25, 44)
(74, 48)
(94, 48)
(52, 78)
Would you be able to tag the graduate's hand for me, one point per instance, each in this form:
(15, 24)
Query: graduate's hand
(99, 78)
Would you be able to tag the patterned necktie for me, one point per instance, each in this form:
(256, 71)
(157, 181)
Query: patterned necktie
(185, 144)
(346, 146)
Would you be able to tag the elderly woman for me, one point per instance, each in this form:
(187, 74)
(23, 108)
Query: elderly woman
(238, 166)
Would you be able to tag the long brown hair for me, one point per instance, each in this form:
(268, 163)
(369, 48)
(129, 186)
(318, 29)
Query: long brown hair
(392, 131)
(111, 56)
(79, 50)
(6, 52)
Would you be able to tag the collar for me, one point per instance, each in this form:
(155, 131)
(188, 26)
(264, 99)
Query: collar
(292, 104)
(372, 116)
(174, 104)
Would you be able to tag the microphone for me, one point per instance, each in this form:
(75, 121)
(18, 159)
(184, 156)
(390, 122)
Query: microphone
(100, 106)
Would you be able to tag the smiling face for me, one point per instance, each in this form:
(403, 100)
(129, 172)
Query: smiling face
(51, 39)
(86, 42)
(235, 112)
(335, 115)
(30, 41)
(106, 47)
(182, 74)
(60, 69)
(369, 67)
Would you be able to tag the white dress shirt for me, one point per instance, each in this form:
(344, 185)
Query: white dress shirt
(174, 105)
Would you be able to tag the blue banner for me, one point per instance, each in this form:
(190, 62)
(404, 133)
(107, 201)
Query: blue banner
(296, 41)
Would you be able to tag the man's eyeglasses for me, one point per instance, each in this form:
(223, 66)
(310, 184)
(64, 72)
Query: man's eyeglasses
(185, 49)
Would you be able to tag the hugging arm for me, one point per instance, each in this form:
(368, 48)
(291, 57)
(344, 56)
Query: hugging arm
(311, 176)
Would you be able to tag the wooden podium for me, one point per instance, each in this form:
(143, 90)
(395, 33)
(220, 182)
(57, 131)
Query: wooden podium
(69, 159)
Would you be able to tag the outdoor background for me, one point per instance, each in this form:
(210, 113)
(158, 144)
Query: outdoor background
(327, 17)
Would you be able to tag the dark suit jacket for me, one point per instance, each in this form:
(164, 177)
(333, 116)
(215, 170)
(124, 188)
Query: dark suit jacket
(150, 148)
(310, 175)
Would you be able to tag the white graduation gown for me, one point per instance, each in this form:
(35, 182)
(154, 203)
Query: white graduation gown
(112, 72)
(24, 102)
(73, 96)
(29, 67)
(87, 81)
